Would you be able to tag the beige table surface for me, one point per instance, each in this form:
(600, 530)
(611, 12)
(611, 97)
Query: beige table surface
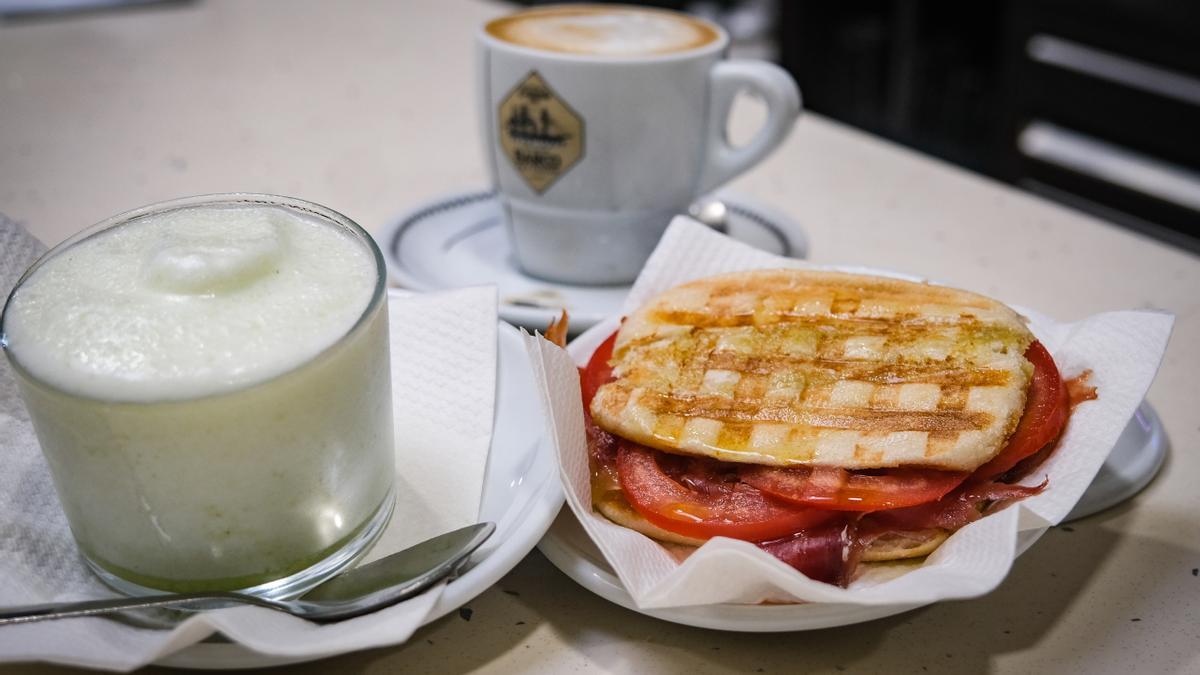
(368, 107)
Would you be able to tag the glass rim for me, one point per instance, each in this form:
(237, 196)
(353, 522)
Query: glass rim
(378, 293)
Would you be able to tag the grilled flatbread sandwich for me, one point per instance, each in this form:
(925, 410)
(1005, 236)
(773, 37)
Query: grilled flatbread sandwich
(828, 417)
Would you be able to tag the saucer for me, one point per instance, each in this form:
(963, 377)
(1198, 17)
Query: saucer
(521, 494)
(1133, 463)
(461, 240)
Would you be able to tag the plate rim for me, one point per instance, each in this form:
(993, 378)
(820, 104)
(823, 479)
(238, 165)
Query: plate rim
(752, 209)
(545, 502)
(747, 618)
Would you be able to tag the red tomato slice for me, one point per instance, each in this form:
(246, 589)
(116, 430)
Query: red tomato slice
(1046, 408)
(834, 488)
(703, 505)
(597, 371)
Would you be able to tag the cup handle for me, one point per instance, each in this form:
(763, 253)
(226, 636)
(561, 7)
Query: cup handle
(723, 161)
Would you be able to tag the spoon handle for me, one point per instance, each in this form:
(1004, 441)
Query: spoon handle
(61, 610)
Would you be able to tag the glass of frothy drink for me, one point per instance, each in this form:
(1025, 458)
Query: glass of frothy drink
(209, 381)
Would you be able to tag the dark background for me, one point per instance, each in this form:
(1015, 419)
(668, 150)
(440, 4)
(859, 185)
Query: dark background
(1105, 94)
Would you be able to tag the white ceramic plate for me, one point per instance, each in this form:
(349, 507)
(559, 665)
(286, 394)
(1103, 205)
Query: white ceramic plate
(568, 547)
(460, 240)
(521, 494)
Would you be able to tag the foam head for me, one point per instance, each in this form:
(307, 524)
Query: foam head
(603, 30)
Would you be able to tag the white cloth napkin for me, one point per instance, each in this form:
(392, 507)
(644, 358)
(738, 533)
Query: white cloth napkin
(443, 349)
(1123, 349)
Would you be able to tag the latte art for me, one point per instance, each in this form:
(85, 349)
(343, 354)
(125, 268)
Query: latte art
(603, 31)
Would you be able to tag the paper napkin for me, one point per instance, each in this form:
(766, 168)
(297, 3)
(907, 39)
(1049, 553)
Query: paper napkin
(1123, 350)
(443, 392)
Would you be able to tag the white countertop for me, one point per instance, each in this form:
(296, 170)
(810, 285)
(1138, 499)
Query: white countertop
(368, 107)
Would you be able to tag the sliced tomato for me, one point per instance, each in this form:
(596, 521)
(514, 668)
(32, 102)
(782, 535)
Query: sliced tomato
(833, 488)
(702, 505)
(598, 371)
(1046, 409)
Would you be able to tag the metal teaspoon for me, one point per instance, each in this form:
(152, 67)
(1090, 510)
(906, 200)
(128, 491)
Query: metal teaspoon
(359, 591)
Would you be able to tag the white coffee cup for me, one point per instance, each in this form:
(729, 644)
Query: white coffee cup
(601, 122)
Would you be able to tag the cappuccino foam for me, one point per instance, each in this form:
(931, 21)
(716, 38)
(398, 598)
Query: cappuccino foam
(603, 31)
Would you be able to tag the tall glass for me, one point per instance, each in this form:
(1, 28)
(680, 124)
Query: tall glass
(267, 488)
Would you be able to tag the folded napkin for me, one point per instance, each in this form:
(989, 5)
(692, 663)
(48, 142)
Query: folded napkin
(1123, 349)
(443, 391)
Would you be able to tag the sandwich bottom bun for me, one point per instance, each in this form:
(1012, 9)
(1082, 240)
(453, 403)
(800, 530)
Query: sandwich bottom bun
(885, 548)
(613, 505)
(904, 545)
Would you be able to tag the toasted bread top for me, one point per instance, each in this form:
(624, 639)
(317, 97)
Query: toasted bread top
(795, 367)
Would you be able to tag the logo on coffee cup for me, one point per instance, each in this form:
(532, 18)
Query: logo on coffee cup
(541, 135)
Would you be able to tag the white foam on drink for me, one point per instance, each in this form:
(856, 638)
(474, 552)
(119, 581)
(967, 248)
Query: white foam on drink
(604, 32)
(189, 303)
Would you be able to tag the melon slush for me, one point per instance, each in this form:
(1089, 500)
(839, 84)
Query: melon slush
(209, 382)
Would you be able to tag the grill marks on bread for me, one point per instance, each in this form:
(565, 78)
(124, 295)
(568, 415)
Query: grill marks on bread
(857, 419)
(795, 367)
(876, 373)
